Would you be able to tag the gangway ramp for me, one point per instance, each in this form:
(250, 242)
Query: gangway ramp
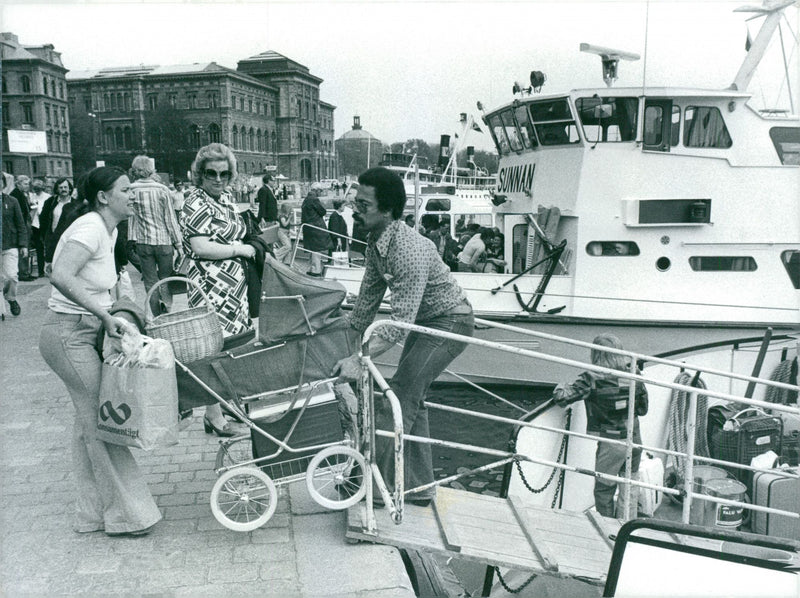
(497, 531)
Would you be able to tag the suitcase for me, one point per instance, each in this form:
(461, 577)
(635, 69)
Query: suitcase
(773, 490)
(749, 433)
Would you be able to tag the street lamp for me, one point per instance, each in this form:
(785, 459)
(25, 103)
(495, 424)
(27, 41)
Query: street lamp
(95, 139)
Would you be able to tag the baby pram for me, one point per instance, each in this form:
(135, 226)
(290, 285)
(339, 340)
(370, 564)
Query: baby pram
(280, 386)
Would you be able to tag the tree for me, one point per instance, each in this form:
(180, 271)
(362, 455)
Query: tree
(167, 139)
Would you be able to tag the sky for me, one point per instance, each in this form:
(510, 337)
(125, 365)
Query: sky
(408, 69)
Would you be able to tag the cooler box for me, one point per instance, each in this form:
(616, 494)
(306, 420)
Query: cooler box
(773, 490)
(320, 423)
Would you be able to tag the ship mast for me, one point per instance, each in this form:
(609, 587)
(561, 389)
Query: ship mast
(774, 12)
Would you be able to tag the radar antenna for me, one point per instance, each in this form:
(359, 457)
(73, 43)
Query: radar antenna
(610, 58)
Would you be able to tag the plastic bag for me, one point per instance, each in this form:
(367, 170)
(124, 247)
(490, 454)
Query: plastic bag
(139, 351)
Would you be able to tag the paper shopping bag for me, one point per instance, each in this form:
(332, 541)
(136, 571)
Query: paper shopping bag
(138, 406)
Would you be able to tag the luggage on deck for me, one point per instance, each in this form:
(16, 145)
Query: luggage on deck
(773, 490)
(745, 435)
(651, 471)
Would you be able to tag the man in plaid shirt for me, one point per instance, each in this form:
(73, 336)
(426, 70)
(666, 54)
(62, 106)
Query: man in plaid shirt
(154, 228)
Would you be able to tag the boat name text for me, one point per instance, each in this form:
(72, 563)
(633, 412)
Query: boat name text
(516, 179)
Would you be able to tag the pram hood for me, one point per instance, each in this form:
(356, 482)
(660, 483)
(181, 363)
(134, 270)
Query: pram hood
(293, 304)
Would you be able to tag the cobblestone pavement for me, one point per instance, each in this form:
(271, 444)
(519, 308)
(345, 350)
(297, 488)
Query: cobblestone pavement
(188, 553)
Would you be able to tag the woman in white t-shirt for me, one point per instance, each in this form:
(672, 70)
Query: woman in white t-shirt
(112, 494)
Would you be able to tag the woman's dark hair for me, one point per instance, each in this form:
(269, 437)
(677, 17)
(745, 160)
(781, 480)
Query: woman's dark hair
(58, 183)
(486, 234)
(389, 190)
(100, 179)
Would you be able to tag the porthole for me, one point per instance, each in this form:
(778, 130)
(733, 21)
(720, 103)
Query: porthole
(663, 264)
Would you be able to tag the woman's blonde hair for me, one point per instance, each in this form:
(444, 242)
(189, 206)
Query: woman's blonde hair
(604, 358)
(211, 153)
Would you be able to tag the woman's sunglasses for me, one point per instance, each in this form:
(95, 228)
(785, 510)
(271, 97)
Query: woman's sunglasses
(210, 173)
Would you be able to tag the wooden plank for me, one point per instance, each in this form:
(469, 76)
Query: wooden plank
(535, 539)
(602, 527)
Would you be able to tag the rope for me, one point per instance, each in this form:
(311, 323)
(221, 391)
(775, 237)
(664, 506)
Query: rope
(678, 410)
(786, 372)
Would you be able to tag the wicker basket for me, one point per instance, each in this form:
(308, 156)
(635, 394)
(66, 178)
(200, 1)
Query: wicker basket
(194, 333)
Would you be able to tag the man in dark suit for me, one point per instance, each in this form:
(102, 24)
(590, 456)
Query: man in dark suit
(267, 204)
(20, 193)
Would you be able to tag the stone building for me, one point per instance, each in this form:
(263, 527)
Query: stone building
(357, 150)
(169, 112)
(34, 96)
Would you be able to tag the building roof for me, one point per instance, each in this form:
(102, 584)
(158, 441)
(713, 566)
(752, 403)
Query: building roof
(357, 133)
(11, 49)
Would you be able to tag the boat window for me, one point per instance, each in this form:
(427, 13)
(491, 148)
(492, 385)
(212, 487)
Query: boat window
(553, 122)
(525, 127)
(608, 119)
(703, 126)
(499, 134)
(675, 135)
(463, 222)
(787, 144)
(438, 204)
(612, 248)
(511, 130)
(722, 263)
(791, 261)
(653, 129)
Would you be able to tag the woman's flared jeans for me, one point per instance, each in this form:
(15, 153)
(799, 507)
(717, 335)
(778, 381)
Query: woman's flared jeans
(112, 495)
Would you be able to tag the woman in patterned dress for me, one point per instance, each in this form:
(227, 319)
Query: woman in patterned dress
(212, 236)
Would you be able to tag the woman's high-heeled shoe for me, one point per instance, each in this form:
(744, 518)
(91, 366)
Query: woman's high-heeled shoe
(229, 429)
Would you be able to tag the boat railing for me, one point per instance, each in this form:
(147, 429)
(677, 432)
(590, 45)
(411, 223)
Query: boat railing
(327, 259)
(687, 458)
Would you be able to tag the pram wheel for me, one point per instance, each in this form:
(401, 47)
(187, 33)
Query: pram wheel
(335, 477)
(243, 499)
(233, 451)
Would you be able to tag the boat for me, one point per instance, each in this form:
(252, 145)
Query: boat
(666, 215)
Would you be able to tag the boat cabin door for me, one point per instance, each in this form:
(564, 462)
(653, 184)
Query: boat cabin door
(657, 128)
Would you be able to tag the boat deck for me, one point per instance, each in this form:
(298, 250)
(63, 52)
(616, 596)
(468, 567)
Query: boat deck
(496, 531)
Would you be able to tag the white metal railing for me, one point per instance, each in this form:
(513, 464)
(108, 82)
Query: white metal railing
(395, 501)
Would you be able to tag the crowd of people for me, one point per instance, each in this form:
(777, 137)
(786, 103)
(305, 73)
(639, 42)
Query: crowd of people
(83, 239)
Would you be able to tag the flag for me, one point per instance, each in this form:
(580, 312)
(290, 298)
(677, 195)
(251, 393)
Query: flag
(747, 43)
(475, 127)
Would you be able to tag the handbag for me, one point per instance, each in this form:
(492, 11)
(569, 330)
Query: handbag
(194, 333)
(138, 406)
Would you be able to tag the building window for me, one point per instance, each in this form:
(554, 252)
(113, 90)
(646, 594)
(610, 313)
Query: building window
(66, 143)
(46, 114)
(192, 101)
(5, 87)
(49, 141)
(6, 115)
(235, 138)
(27, 113)
(213, 133)
(119, 141)
(26, 83)
(250, 105)
(241, 104)
(8, 166)
(44, 85)
(172, 99)
(108, 140)
(64, 117)
(128, 137)
(251, 140)
(212, 100)
(152, 101)
(113, 102)
(274, 142)
(259, 146)
(194, 136)
(127, 99)
(58, 142)
(61, 90)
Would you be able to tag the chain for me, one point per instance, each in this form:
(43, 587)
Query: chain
(508, 589)
(561, 452)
